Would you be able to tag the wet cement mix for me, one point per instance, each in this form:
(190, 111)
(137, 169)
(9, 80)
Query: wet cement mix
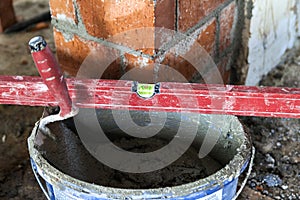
(68, 154)
(276, 168)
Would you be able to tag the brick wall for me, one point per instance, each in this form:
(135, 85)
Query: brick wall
(81, 25)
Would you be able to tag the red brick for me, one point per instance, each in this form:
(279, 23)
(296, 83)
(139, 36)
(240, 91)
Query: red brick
(217, 74)
(178, 63)
(209, 73)
(63, 8)
(7, 14)
(134, 61)
(141, 38)
(71, 55)
(113, 71)
(146, 74)
(226, 26)
(207, 37)
(106, 18)
(192, 11)
(165, 14)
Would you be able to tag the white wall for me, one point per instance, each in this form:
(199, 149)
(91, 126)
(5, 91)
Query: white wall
(273, 29)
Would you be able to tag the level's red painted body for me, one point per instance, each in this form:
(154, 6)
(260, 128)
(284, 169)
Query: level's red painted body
(173, 97)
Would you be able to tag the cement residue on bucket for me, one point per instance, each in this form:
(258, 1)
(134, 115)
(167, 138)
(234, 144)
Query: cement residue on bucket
(69, 155)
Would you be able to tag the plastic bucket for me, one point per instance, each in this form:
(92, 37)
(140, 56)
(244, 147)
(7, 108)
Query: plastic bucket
(220, 185)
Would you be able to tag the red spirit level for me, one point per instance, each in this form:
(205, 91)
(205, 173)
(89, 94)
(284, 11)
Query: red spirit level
(113, 94)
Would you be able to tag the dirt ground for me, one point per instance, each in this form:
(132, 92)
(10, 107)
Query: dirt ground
(276, 171)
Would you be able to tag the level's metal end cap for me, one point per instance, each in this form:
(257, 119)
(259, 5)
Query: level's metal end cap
(37, 43)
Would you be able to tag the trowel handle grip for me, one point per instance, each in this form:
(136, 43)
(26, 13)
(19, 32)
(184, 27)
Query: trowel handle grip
(51, 73)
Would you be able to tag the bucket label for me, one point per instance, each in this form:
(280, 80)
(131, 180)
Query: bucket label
(214, 196)
(145, 90)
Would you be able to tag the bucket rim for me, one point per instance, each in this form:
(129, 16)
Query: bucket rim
(236, 166)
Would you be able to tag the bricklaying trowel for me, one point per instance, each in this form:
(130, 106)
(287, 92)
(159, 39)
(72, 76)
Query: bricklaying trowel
(52, 76)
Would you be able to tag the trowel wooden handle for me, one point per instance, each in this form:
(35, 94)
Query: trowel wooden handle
(51, 73)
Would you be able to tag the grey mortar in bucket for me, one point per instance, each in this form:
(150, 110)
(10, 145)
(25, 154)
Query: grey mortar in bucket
(66, 162)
